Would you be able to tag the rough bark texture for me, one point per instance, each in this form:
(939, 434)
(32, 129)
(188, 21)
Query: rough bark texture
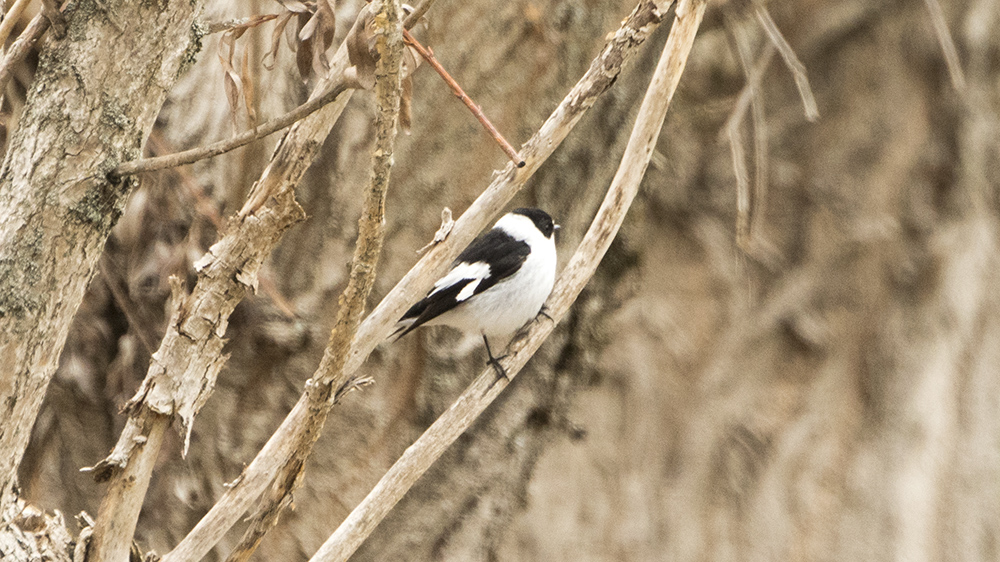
(93, 100)
(832, 396)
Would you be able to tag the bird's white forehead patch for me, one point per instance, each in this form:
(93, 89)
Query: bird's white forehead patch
(476, 271)
(518, 227)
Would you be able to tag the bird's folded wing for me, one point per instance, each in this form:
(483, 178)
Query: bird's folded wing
(487, 261)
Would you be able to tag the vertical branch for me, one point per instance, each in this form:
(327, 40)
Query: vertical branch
(389, 43)
(749, 196)
(422, 454)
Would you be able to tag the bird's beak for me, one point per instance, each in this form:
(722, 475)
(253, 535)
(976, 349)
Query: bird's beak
(556, 227)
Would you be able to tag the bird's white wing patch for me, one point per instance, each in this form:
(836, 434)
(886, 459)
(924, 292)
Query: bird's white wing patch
(476, 271)
(468, 290)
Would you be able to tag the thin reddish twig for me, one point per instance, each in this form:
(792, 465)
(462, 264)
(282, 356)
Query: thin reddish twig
(457, 90)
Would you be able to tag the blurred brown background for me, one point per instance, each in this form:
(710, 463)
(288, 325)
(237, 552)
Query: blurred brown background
(831, 394)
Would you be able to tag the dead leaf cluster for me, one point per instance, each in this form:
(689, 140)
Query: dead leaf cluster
(242, 81)
(310, 37)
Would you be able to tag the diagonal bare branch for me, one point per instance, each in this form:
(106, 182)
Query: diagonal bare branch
(618, 51)
(223, 146)
(461, 95)
(21, 47)
(481, 393)
(11, 18)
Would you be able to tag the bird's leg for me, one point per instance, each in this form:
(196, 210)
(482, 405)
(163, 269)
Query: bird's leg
(495, 361)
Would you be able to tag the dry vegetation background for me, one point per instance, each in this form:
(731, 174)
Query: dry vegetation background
(832, 394)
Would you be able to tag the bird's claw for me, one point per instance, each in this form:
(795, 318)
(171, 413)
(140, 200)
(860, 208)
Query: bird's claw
(495, 362)
(501, 372)
(543, 312)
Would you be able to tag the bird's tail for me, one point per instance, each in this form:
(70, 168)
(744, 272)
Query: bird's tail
(402, 328)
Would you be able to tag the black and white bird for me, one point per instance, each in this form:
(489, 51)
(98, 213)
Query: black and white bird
(496, 285)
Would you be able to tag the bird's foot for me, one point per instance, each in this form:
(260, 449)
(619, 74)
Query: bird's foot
(495, 362)
(500, 371)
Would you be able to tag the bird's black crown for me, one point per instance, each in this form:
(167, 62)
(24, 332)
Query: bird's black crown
(541, 219)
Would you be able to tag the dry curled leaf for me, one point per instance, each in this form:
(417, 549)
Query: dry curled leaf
(406, 104)
(411, 60)
(363, 55)
(309, 39)
(279, 28)
(248, 94)
(447, 224)
(237, 83)
(231, 78)
(294, 6)
(361, 48)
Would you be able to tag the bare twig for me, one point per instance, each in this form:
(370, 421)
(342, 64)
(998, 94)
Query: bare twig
(604, 70)
(421, 455)
(749, 196)
(791, 60)
(389, 44)
(223, 146)
(418, 12)
(457, 90)
(248, 22)
(947, 44)
(21, 47)
(11, 18)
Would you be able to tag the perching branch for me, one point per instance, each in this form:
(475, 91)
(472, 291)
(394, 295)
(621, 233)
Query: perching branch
(481, 393)
(619, 50)
(460, 94)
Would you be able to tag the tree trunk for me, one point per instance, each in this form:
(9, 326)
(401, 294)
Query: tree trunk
(91, 104)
